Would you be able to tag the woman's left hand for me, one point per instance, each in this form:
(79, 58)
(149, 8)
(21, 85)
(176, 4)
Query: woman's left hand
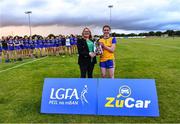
(102, 44)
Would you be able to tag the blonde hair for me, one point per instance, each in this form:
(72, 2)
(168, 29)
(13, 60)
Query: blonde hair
(90, 36)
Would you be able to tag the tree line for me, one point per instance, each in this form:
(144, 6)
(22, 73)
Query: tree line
(170, 33)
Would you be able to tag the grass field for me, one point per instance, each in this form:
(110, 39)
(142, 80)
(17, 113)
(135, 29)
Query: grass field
(158, 58)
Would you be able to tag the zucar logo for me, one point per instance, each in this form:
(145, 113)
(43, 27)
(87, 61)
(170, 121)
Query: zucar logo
(68, 96)
(123, 99)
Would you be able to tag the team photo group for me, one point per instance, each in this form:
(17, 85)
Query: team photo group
(18, 48)
(85, 46)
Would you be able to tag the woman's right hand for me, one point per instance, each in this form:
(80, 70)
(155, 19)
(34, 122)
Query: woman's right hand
(92, 54)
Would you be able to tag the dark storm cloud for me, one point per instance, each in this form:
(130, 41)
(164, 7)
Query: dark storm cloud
(126, 15)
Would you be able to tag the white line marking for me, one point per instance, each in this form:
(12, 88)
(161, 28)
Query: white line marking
(22, 64)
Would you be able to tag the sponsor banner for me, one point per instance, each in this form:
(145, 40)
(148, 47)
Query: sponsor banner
(127, 97)
(69, 96)
(118, 97)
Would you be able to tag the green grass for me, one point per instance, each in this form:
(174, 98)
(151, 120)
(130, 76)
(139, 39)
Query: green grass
(21, 88)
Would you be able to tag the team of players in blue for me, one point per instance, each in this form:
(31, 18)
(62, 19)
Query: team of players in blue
(17, 48)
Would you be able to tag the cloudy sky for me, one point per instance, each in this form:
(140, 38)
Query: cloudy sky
(71, 16)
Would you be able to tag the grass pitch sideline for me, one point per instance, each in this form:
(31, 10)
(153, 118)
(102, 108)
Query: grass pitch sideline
(158, 58)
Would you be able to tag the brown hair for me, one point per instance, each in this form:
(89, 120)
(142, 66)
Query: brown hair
(90, 36)
(106, 26)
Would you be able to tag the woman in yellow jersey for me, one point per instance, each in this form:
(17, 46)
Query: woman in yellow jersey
(107, 58)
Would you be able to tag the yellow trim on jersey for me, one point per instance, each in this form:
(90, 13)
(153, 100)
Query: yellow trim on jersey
(106, 54)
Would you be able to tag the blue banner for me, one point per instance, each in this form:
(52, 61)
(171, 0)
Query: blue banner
(69, 96)
(118, 97)
(127, 97)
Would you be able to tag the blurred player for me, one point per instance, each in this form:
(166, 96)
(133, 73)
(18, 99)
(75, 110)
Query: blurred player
(68, 45)
(31, 47)
(11, 51)
(63, 42)
(17, 48)
(4, 42)
(0, 50)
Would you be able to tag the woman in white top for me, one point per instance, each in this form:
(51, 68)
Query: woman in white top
(68, 46)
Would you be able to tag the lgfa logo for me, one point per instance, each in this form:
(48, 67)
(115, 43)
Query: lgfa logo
(68, 96)
(123, 100)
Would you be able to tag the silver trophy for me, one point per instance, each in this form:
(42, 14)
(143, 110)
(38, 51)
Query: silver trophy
(97, 47)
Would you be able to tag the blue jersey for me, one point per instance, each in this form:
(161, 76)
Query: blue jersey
(75, 40)
(71, 40)
(44, 41)
(48, 42)
(53, 41)
(35, 42)
(26, 43)
(21, 42)
(31, 42)
(10, 45)
(56, 41)
(0, 46)
(60, 41)
(10, 42)
(40, 42)
(63, 41)
(16, 42)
